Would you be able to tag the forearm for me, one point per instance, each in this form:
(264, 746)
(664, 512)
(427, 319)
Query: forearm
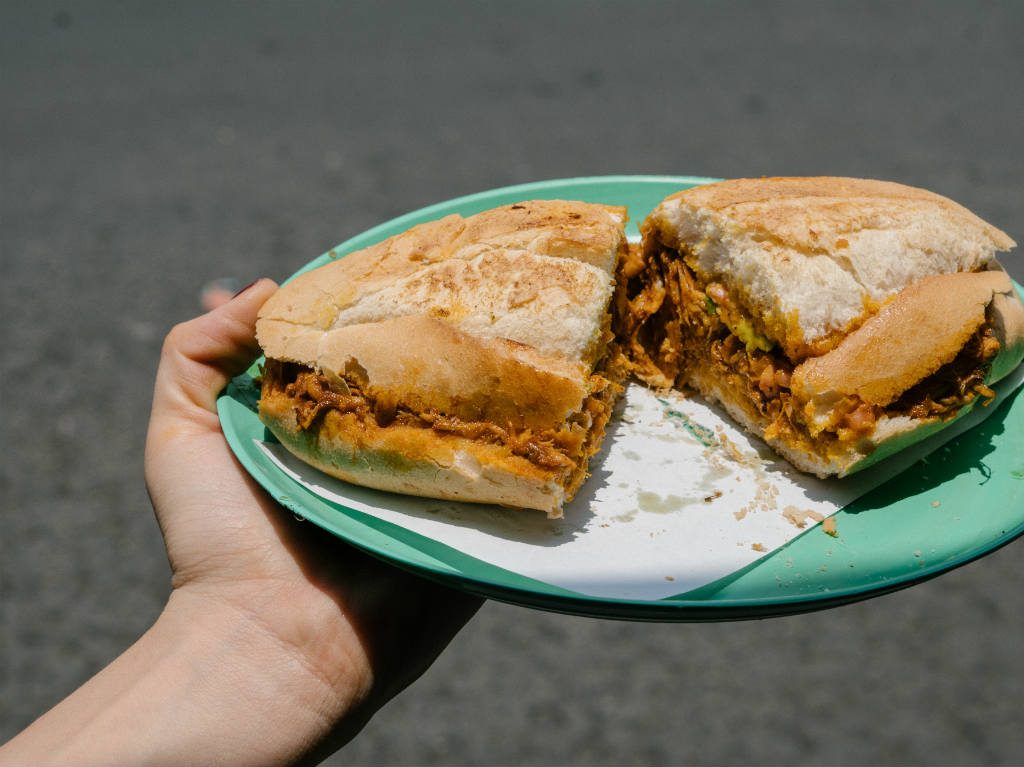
(206, 684)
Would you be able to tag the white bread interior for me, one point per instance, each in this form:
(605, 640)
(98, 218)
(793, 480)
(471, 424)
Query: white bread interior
(588, 234)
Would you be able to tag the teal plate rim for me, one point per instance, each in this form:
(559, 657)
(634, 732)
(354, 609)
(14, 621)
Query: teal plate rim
(912, 528)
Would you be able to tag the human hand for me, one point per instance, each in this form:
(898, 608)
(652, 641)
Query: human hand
(364, 628)
(278, 641)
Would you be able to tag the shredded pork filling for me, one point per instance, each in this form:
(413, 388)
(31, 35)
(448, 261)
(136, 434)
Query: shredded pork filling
(676, 324)
(563, 450)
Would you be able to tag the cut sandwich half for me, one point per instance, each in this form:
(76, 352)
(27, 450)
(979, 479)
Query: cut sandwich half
(839, 319)
(465, 359)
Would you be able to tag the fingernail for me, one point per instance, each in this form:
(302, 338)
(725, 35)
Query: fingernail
(245, 289)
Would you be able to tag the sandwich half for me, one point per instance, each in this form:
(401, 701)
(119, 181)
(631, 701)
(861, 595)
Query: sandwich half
(466, 359)
(839, 319)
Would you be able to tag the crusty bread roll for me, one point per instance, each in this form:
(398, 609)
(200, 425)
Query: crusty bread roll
(466, 359)
(478, 358)
(839, 319)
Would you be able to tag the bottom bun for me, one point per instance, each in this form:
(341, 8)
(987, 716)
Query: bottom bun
(891, 434)
(415, 461)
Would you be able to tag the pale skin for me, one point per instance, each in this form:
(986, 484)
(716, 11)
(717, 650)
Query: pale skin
(278, 641)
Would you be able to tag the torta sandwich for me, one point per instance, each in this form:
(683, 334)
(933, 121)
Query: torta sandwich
(466, 359)
(838, 319)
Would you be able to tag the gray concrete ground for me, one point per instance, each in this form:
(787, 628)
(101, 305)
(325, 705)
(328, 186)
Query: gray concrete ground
(148, 148)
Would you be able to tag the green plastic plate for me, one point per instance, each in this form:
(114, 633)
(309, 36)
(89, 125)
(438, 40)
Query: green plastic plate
(962, 502)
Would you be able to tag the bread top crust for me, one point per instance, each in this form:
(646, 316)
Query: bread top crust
(552, 304)
(538, 272)
(498, 317)
(811, 258)
(576, 231)
(584, 232)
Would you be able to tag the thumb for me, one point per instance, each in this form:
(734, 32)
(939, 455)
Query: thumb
(200, 356)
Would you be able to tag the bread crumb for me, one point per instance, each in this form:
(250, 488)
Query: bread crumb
(758, 547)
(669, 578)
(829, 527)
(936, 504)
(713, 496)
(731, 449)
(799, 517)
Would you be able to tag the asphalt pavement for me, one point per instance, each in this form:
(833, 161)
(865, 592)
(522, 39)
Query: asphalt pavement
(146, 149)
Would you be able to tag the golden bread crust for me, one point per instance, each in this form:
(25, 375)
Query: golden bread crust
(546, 284)
(832, 207)
(920, 330)
(314, 298)
(560, 228)
(552, 304)
(591, 234)
(425, 364)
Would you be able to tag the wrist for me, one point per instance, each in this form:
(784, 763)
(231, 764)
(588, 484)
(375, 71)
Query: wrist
(299, 665)
(208, 682)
